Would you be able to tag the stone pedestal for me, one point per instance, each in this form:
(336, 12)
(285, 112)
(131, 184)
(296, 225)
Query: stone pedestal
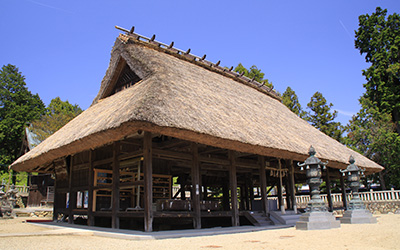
(359, 216)
(317, 221)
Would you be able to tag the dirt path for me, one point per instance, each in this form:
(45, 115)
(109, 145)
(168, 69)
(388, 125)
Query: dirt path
(383, 235)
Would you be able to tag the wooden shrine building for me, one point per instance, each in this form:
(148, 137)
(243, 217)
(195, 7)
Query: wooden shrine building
(164, 116)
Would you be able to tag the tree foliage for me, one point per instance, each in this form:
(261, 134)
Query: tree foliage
(373, 134)
(375, 130)
(290, 100)
(378, 38)
(18, 106)
(253, 72)
(58, 113)
(322, 118)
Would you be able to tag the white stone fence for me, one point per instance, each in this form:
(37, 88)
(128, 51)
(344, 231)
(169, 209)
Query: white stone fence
(22, 189)
(369, 196)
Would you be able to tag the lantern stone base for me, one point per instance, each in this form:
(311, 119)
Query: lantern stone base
(317, 221)
(358, 216)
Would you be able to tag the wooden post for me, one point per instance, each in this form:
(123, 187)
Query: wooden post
(90, 221)
(344, 198)
(288, 189)
(182, 179)
(280, 186)
(56, 196)
(205, 193)
(148, 182)
(241, 197)
(263, 183)
(233, 188)
(196, 186)
(246, 193)
(225, 195)
(115, 186)
(72, 194)
(293, 187)
(328, 190)
(251, 189)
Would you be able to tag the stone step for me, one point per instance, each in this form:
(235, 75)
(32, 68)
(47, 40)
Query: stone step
(258, 219)
(289, 218)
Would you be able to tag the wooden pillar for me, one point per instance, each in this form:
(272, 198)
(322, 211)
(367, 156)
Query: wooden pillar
(263, 184)
(233, 188)
(246, 193)
(115, 186)
(56, 195)
(344, 198)
(72, 193)
(205, 193)
(251, 189)
(242, 205)
(280, 186)
(182, 180)
(293, 186)
(148, 182)
(328, 190)
(196, 186)
(225, 197)
(288, 189)
(90, 221)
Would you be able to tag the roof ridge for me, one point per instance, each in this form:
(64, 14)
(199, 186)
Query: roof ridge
(197, 60)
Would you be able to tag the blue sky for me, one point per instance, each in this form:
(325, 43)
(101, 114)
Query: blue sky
(63, 47)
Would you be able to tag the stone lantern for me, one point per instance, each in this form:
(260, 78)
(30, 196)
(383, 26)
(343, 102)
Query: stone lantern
(317, 215)
(356, 213)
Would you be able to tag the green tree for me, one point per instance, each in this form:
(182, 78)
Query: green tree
(378, 38)
(373, 134)
(289, 98)
(58, 113)
(253, 72)
(322, 118)
(18, 106)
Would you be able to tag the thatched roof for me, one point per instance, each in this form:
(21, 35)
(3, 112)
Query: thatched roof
(181, 97)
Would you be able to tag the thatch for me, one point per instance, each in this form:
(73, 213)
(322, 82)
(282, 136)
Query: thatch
(182, 99)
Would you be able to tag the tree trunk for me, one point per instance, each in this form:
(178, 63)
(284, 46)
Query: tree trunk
(382, 180)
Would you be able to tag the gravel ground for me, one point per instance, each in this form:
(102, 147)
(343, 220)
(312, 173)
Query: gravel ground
(383, 235)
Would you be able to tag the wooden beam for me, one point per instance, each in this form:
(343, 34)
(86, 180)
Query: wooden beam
(131, 155)
(102, 162)
(171, 143)
(148, 182)
(233, 188)
(168, 154)
(115, 186)
(196, 186)
(90, 221)
(263, 183)
(328, 190)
